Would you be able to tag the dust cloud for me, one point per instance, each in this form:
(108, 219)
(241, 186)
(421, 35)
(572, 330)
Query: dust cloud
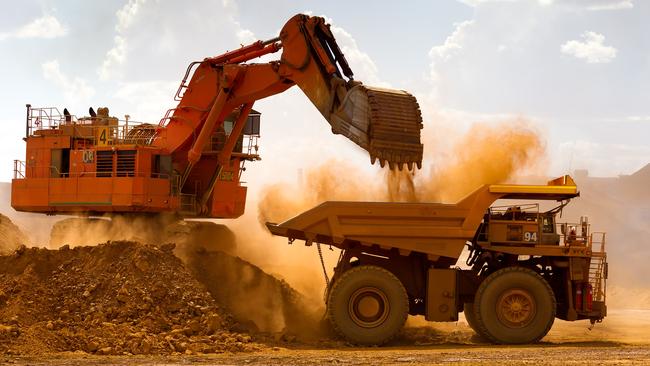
(11, 237)
(486, 154)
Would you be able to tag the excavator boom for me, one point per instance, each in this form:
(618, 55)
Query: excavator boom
(384, 122)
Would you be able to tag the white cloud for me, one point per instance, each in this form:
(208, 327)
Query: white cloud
(169, 32)
(75, 90)
(147, 98)
(116, 56)
(362, 65)
(611, 5)
(452, 43)
(46, 26)
(441, 54)
(593, 5)
(638, 118)
(246, 36)
(475, 3)
(127, 14)
(591, 48)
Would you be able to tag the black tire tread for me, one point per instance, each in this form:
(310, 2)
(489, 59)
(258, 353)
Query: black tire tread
(352, 272)
(484, 285)
(468, 310)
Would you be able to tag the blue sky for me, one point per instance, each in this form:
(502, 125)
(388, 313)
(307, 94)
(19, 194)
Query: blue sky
(578, 69)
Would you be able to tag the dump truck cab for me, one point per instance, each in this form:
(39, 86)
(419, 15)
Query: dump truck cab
(524, 267)
(521, 224)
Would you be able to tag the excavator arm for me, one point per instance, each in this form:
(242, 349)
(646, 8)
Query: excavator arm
(384, 122)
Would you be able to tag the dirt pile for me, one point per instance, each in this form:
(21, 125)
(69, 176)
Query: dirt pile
(260, 301)
(10, 236)
(114, 298)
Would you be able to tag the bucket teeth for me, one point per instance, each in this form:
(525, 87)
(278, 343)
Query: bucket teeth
(386, 123)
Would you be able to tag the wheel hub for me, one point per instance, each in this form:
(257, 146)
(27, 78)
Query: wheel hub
(368, 307)
(516, 308)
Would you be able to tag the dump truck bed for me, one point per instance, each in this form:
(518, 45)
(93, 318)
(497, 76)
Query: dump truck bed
(435, 229)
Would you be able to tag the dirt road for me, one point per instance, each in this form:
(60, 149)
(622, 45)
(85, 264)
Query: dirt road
(576, 353)
(622, 339)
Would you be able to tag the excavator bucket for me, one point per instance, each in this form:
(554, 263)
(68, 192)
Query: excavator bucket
(385, 122)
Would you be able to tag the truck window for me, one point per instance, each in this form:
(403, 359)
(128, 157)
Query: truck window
(547, 225)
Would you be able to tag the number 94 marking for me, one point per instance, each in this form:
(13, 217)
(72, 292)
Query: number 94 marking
(530, 236)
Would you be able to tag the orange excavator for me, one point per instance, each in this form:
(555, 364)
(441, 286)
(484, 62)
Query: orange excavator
(190, 164)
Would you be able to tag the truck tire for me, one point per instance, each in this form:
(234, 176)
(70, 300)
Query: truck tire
(514, 305)
(468, 310)
(367, 305)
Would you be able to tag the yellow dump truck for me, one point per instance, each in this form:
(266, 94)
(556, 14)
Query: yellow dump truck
(523, 270)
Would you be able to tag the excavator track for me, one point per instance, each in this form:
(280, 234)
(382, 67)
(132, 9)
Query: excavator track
(386, 123)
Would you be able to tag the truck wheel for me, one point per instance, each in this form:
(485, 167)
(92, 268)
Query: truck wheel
(468, 310)
(367, 305)
(514, 305)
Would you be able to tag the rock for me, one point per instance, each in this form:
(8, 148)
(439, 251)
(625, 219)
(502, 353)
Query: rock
(9, 330)
(92, 346)
(178, 331)
(105, 351)
(142, 264)
(145, 346)
(21, 249)
(122, 295)
(168, 248)
(194, 326)
(181, 347)
(213, 323)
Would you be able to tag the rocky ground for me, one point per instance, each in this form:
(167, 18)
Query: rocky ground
(116, 298)
(127, 303)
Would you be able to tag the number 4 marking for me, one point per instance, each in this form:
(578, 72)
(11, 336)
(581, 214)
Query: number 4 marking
(102, 136)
